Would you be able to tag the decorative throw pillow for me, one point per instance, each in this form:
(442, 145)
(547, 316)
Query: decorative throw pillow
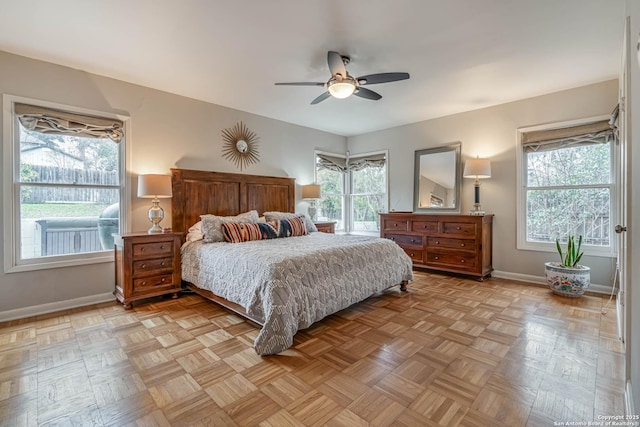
(212, 224)
(195, 232)
(274, 216)
(243, 232)
(236, 233)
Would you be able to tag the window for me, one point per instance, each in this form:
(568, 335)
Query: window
(567, 186)
(66, 187)
(354, 190)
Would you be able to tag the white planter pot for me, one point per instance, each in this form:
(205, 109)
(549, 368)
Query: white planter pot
(567, 281)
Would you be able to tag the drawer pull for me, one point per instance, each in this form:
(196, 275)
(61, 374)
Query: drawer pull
(462, 261)
(142, 249)
(163, 263)
(412, 254)
(413, 240)
(457, 228)
(436, 257)
(164, 278)
(144, 265)
(161, 246)
(424, 226)
(437, 242)
(462, 244)
(393, 238)
(395, 225)
(144, 283)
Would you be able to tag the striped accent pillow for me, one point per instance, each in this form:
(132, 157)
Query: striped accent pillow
(236, 233)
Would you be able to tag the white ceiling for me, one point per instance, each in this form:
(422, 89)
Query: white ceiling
(461, 54)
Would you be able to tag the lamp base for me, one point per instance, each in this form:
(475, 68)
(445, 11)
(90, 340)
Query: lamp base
(313, 211)
(156, 214)
(155, 228)
(477, 210)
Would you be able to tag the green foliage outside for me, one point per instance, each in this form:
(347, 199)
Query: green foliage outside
(60, 210)
(368, 196)
(556, 213)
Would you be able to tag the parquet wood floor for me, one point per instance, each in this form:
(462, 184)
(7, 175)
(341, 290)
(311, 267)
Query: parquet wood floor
(450, 352)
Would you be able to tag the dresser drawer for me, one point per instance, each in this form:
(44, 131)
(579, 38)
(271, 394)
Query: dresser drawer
(462, 228)
(394, 225)
(415, 255)
(455, 259)
(445, 242)
(151, 249)
(428, 227)
(151, 266)
(405, 241)
(152, 283)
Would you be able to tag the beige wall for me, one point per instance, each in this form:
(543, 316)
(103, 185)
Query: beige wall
(491, 132)
(166, 131)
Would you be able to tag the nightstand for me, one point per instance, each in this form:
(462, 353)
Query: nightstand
(147, 265)
(326, 226)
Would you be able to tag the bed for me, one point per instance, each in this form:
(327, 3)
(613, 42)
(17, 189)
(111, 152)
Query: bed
(283, 284)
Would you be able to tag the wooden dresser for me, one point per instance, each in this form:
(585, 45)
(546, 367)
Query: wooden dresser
(452, 243)
(147, 265)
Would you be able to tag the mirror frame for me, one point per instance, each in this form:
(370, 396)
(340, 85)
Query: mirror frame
(454, 147)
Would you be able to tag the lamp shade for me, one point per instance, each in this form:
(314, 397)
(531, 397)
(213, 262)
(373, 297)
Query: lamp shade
(477, 168)
(311, 192)
(152, 186)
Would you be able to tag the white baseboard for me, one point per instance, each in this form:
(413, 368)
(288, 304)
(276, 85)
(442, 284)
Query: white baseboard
(628, 400)
(599, 289)
(35, 310)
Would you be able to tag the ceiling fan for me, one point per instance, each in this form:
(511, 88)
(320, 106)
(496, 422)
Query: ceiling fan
(342, 84)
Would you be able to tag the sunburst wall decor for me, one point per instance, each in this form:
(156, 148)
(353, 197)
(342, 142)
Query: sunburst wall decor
(240, 145)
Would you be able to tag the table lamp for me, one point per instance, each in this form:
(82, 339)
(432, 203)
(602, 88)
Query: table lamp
(479, 169)
(155, 187)
(311, 192)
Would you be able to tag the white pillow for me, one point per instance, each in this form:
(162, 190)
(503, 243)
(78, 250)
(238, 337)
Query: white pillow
(195, 232)
(212, 224)
(275, 216)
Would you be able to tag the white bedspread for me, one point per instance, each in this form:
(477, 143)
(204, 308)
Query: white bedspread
(293, 282)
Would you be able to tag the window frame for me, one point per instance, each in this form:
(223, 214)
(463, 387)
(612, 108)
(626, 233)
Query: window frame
(347, 197)
(521, 192)
(13, 262)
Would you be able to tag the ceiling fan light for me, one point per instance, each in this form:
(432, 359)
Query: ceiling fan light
(341, 89)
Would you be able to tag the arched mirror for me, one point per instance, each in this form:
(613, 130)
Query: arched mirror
(436, 187)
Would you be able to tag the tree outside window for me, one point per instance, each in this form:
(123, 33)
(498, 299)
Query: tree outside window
(569, 186)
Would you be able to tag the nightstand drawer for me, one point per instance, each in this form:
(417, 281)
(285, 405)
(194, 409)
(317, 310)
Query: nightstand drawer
(143, 284)
(151, 249)
(443, 242)
(150, 266)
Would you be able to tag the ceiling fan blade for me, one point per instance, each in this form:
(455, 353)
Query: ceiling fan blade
(373, 79)
(336, 66)
(300, 84)
(320, 98)
(367, 94)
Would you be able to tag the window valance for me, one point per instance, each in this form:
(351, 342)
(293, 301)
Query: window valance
(350, 163)
(52, 121)
(551, 139)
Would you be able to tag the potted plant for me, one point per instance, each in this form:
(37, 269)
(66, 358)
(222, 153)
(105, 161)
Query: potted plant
(567, 277)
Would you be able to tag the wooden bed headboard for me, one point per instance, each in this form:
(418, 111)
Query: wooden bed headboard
(200, 192)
